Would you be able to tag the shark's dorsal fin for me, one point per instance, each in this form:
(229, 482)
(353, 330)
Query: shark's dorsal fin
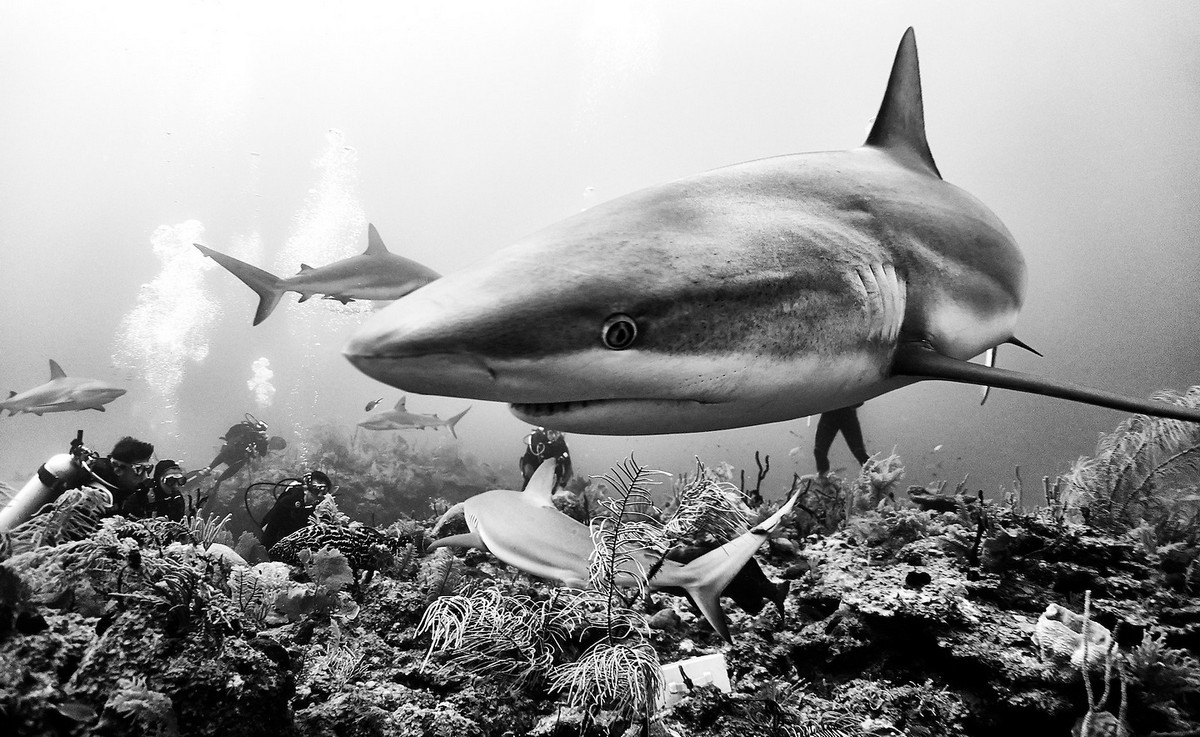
(375, 245)
(11, 394)
(900, 125)
(56, 371)
(540, 490)
(304, 268)
(400, 404)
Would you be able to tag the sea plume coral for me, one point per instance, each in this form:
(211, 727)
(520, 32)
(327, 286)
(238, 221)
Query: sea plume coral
(1147, 469)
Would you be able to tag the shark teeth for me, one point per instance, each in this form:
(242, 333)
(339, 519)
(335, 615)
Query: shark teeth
(550, 408)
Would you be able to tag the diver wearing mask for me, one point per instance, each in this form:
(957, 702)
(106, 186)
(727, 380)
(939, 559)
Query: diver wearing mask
(245, 441)
(541, 444)
(294, 506)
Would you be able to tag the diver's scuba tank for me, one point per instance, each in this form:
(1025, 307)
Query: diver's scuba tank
(45, 485)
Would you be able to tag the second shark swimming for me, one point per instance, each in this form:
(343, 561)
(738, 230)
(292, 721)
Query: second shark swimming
(756, 293)
(375, 274)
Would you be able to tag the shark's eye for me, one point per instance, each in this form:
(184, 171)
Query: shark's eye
(619, 331)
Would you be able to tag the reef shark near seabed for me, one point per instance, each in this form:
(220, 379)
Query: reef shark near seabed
(374, 274)
(399, 418)
(61, 393)
(526, 531)
(760, 292)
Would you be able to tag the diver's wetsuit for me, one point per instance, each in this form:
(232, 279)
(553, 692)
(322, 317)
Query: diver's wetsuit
(289, 514)
(845, 421)
(549, 449)
(243, 441)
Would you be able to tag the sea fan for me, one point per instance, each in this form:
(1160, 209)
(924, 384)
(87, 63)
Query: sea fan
(1147, 469)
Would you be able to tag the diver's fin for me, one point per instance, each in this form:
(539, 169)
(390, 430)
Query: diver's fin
(450, 423)
(375, 245)
(921, 361)
(265, 284)
(465, 540)
(900, 124)
(540, 490)
(707, 576)
(56, 371)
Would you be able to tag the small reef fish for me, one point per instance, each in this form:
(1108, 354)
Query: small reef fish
(374, 274)
(526, 531)
(373, 404)
(61, 393)
(400, 418)
(756, 293)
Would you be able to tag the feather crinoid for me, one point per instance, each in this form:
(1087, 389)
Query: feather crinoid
(491, 632)
(706, 507)
(1146, 470)
(628, 528)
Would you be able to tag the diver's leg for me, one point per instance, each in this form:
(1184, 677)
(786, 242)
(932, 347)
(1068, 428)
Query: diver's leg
(827, 428)
(852, 432)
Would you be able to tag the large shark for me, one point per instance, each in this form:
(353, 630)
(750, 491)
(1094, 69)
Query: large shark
(400, 418)
(61, 393)
(526, 531)
(374, 274)
(756, 293)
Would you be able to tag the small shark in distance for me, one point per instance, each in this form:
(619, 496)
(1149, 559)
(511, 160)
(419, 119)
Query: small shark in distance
(400, 418)
(61, 393)
(526, 531)
(376, 274)
(373, 404)
(756, 293)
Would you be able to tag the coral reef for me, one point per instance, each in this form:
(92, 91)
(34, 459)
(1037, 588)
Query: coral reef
(920, 614)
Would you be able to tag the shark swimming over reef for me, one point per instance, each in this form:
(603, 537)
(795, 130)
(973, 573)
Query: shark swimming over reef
(374, 274)
(61, 393)
(760, 292)
(399, 418)
(526, 531)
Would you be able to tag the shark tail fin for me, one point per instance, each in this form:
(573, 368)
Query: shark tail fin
(900, 124)
(923, 362)
(266, 285)
(450, 423)
(375, 245)
(56, 371)
(707, 576)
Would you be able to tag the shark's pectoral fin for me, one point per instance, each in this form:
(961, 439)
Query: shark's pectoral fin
(989, 359)
(919, 360)
(98, 409)
(305, 297)
(465, 540)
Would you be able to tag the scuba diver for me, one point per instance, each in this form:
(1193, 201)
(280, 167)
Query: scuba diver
(120, 473)
(294, 506)
(541, 444)
(162, 497)
(845, 421)
(244, 442)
